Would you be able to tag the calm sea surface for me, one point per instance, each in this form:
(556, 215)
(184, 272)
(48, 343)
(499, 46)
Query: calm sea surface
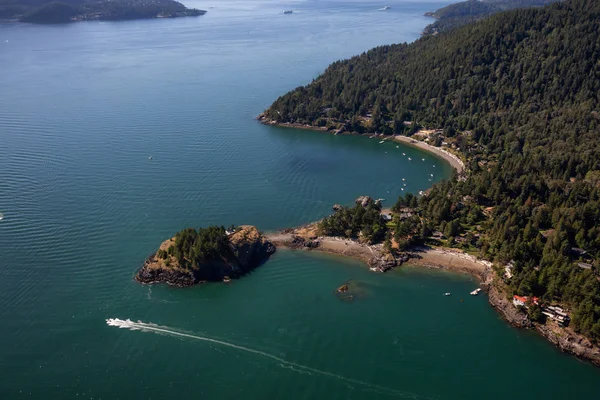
(84, 106)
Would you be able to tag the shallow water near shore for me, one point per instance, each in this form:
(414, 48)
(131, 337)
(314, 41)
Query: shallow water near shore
(84, 106)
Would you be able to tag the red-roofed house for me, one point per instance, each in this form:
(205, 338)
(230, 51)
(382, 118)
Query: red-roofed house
(523, 300)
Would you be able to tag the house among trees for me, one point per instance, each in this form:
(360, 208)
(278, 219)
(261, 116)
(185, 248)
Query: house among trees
(557, 314)
(508, 270)
(524, 301)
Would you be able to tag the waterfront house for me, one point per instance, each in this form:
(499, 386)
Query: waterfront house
(524, 301)
(557, 314)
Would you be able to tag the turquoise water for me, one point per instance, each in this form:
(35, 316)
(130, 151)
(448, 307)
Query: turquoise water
(82, 109)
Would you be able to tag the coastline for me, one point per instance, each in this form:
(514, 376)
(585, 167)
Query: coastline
(449, 259)
(455, 162)
(452, 159)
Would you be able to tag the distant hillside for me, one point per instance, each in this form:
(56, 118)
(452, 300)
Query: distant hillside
(44, 11)
(472, 10)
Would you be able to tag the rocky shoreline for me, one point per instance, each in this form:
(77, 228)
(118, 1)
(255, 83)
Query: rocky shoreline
(306, 238)
(248, 249)
(565, 338)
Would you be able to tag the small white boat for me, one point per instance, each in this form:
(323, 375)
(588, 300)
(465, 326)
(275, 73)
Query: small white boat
(402, 189)
(397, 147)
(382, 141)
(409, 159)
(421, 192)
(403, 179)
(405, 184)
(434, 166)
(447, 294)
(288, 12)
(386, 8)
(475, 292)
(431, 174)
(150, 158)
(403, 154)
(1, 216)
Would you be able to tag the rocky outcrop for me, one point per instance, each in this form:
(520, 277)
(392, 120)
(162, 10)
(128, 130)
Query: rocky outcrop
(505, 307)
(249, 248)
(299, 242)
(570, 342)
(386, 261)
(364, 200)
(566, 339)
(172, 276)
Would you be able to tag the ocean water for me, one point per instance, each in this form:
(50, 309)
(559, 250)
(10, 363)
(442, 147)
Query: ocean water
(84, 106)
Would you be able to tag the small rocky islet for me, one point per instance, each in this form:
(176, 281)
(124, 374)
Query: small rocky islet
(207, 254)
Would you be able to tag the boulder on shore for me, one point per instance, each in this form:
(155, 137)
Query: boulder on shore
(363, 200)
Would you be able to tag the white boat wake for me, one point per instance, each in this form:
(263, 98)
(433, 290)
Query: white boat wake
(164, 330)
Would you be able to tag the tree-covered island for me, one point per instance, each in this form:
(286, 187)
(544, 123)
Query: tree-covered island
(517, 97)
(206, 254)
(53, 12)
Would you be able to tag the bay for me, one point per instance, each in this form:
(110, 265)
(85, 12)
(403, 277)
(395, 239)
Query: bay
(84, 106)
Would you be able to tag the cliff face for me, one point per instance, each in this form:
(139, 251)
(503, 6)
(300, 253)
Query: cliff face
(249, 248)
(566, 339)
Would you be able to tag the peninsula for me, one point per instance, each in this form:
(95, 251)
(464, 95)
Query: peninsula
(207, 254)
(55, 12)
(519, 106)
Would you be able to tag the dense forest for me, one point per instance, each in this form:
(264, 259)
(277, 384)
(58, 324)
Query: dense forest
(469, 11)
(362, 222)
(193, 248)
(519, 92)
(45, 11)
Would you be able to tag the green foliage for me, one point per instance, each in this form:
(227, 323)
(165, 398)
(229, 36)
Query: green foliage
(193, 248)
(525, 84)
(361, 222)
(50, 12)
(535, 313)
(465, 12)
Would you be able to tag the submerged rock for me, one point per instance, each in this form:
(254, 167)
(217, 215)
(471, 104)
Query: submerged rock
(351, 290)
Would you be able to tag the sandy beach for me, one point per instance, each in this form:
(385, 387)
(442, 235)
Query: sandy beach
(456, 162)
(420, 256)
(452, 260)
(327, 244)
